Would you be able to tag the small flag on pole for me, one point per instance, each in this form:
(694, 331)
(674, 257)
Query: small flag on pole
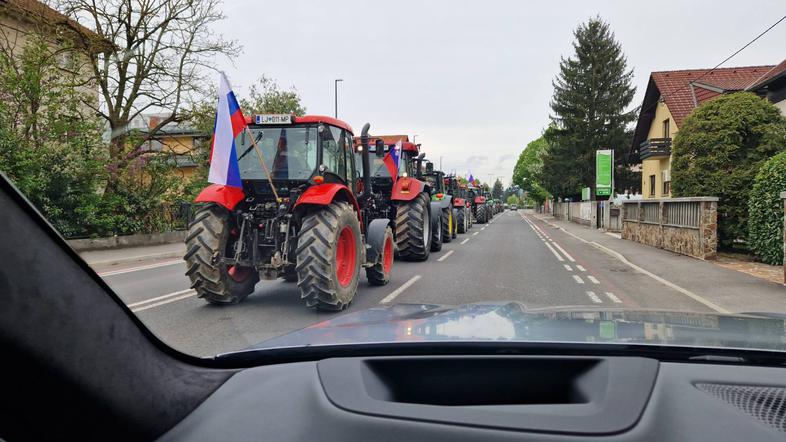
(230, 122)
(391, 160)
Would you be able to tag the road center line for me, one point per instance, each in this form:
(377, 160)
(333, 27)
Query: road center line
(594, 297)
(399, 290)
(166, 301)
(158, 298)
(445, 256)
(578, 279)
(570, 258)
(593, 279)
(559, 258)
(138, 268)
(464, 242)
(613, 298)
(475, 233)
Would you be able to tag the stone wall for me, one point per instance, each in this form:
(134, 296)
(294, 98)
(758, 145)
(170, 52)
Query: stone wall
(692, 228)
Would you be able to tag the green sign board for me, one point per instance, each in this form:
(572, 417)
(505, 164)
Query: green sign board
(604, 172)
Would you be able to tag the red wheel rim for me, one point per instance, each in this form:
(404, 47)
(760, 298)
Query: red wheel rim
(238, 274)
(387, 255)
(345, 256)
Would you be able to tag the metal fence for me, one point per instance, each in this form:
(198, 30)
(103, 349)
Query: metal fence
(683, 214)
(650, 212)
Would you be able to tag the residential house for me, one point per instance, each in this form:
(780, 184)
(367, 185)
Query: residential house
(181, 140)
(670, 97)
(71, 42)
(772, 85)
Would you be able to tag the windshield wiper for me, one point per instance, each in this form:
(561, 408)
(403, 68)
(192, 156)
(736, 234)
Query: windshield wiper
(248, 149)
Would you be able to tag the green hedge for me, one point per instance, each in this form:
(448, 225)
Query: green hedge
(765, 208)
(719, 149)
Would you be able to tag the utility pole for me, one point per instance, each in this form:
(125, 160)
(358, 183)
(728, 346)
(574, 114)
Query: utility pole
(335, 91)
(414, 138)
(440, 162)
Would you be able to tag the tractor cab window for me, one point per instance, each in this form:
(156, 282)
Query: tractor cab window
(333, 146)
(290, 153)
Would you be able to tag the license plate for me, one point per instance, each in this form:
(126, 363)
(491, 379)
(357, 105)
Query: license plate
(273, 119)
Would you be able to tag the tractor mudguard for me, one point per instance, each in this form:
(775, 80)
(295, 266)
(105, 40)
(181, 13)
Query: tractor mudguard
(226, 196)
(406, 189)
(458, 202)
(480, 199)
(375, 240)
(324, 194)
(436, 213)
(444, 203)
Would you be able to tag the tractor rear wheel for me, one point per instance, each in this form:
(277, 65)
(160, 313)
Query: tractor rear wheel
(447, 225)
(210, 237)
(461, 220)
(413, 229)
(328, 256)
(379, 273)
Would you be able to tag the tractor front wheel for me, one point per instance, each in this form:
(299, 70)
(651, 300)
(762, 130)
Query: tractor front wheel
(447, 225)
(454, 227)
(209, 239)
(328, 256)
(413, 229)
(379, 273)
(462, 220)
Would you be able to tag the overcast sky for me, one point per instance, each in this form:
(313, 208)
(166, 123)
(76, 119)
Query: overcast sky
(473, 78)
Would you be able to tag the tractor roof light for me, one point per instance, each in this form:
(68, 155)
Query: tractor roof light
(319, 179)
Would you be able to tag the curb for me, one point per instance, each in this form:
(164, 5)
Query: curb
(125, 241)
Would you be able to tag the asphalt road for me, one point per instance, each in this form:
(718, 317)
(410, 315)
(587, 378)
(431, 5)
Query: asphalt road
(516, 257)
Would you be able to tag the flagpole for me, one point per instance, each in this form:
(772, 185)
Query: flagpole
(262, 162)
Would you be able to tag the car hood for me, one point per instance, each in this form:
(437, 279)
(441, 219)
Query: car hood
(512, 321)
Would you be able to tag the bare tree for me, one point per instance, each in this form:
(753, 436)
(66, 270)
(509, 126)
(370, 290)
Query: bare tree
(158, 54)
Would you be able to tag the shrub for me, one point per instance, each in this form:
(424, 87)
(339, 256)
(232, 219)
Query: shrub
(765, 209)
(718, 151)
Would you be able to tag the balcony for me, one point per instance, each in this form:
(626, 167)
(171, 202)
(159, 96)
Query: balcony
(655, 147)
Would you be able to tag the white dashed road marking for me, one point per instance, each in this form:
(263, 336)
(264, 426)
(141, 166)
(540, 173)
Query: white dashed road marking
(568, 268)
(581, 268)
(138, 268)
(613, 298)
(578, 279)
(594, 297)
(445, 256)
(400, 290)
(165, 299)
(464, 242)
(593, 279)
(475, 233)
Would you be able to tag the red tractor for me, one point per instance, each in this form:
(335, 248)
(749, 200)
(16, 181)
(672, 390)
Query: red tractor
(461, 205)
(481, 212)
(406, 201)
(301, 215)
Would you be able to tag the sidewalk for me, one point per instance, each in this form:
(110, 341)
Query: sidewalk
(132, 255)
(720, 284)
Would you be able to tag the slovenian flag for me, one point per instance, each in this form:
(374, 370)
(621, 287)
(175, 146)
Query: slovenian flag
(229, 123)
(391, 160)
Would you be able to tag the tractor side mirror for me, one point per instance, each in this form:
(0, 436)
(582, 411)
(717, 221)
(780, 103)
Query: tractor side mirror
(429, 167)
(380, 148)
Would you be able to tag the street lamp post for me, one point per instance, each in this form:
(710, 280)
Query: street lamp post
(414, 138)
(335, 91)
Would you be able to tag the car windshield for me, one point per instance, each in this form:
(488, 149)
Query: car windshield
(288, 152)
(612, 174)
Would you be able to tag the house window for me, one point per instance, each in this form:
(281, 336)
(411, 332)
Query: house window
(666, 179)
(666, 128)
(652, 185)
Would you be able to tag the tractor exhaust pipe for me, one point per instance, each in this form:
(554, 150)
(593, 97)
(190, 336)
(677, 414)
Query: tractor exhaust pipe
(419, 163)
(366, 162)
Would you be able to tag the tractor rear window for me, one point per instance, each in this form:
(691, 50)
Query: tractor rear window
(289, 153)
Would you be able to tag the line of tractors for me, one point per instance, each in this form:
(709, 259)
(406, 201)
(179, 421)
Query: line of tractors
(319, 204)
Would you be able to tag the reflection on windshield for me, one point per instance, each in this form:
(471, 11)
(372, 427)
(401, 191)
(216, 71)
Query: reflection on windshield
(289, 153)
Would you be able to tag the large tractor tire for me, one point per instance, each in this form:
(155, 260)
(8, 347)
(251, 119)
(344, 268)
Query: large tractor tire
(461, 220)
(379, 273)
(437, 233)
(210, 238)
(454, 228)
(413, 229)
(482, 214)
(447, 225)
(328, 257)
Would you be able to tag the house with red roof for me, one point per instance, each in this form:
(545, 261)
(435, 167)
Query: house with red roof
(772, 86)
(671, 96)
